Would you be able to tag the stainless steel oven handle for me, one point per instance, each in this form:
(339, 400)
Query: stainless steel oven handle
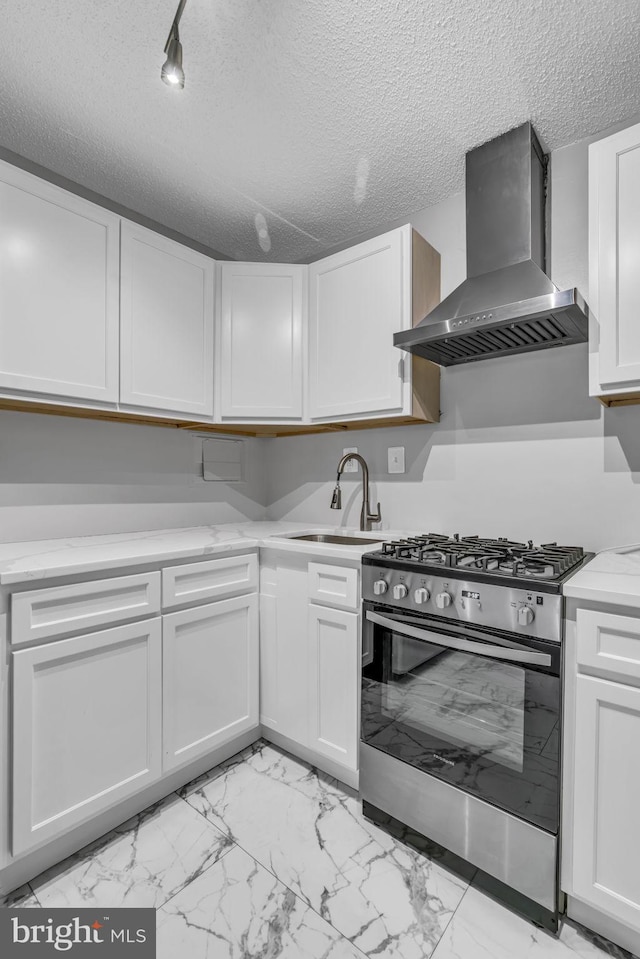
(526, 656)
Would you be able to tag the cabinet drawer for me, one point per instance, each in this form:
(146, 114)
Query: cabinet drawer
(215, 579)
(46, 613)
(333, 585)
(609, 643)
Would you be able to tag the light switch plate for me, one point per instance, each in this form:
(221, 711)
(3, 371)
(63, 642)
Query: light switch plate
(352, 466)
(395, 459)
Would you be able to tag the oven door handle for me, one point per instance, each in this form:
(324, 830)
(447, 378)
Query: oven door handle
(527, 656)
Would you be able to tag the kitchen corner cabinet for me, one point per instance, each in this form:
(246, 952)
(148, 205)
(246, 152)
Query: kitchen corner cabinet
(210, 670)
(166, 324)
(358, 299)
(614, 278)
(86, 727)
(602, 779)
(309, 660)
(261, 333)
(59, 288)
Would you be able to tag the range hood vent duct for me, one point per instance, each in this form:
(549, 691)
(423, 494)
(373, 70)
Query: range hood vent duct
(507, 304)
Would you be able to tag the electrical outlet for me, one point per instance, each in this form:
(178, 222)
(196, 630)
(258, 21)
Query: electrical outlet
(352, 466)
(395, 459)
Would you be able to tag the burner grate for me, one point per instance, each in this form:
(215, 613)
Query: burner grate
(501, 556)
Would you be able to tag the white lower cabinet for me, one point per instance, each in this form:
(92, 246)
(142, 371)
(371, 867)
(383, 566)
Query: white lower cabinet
(606, 824)
(86, 727)
(333, 683)
(210, 677)
(309, 664)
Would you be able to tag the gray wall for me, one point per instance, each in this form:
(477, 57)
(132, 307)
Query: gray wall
(68, 477)
(521, 449)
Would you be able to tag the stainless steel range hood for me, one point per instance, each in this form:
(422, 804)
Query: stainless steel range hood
(507, 304)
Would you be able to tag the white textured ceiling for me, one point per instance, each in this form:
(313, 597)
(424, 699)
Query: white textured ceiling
(329, 117)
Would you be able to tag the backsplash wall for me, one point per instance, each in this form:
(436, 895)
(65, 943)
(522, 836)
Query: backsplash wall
(71, 477)
(521, 450)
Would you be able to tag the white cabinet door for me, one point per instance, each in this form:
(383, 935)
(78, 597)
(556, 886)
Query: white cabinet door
(614, 277)
(59, 307)
(86, 727)
(357, 300)
(606, 824)
(210, 663)
(261, 340)
(334, 683)
(166, 347)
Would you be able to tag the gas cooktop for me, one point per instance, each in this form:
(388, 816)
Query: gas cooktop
(478, 557)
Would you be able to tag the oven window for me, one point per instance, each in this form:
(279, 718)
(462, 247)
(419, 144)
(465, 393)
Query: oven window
(485, 725)
(469, 702)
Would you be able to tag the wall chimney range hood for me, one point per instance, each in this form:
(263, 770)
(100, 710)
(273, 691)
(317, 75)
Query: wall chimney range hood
(507, 304)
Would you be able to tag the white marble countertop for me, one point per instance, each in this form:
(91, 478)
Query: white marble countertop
(46, 559)
(612, 576)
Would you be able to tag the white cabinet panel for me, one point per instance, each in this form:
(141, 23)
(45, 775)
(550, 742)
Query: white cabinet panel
(45, 613)
(210, 669)
(59, 308)
(334, 682)
(614, 278)
(167, 308)
(358, 299)
(284, 650)
(215, 579)
(609, 644)
(606, 825)
(86, 727)
(334, 585)
(261, 340)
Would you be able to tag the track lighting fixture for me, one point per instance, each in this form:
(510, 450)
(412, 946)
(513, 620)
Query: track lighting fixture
(172, 73)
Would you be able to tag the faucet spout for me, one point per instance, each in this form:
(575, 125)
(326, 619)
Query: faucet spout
(366, 516)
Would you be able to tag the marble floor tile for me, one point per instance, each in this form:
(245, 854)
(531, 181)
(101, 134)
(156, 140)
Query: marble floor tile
(141, 863)
(589, 945)
(236, 910)
(484, 929)
(385, 897)
(22, 898)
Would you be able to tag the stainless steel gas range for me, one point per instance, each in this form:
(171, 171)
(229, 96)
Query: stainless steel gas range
(461, 703)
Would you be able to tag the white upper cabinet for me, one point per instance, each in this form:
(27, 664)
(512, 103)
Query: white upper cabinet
(58, 291)
(261, 340)
(167, 314)
(614, 255)
(358, 299)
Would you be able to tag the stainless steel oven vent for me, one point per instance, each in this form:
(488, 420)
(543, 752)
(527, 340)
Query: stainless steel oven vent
(507, 304)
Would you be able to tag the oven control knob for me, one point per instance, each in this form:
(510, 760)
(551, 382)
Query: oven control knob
(400, 591)
(525, 616)
(443, 600)
(421, 596)
(379, 587)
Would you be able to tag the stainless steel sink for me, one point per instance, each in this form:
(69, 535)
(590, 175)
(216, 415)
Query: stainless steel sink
(337, 540)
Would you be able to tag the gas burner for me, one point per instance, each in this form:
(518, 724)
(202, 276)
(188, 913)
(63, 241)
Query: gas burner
(501, 557)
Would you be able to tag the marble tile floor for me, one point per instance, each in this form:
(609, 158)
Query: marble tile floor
(266, 858)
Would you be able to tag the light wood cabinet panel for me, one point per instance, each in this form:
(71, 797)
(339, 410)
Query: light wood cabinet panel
(59, 286)
(86, 727)
(263, 310)
(167, 318)
(210, 677)
(606, 787)
(614, 278)
(334, 676)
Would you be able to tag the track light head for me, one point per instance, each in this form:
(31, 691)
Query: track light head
(172, 73)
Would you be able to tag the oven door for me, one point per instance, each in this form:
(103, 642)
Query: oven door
(477, 708)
